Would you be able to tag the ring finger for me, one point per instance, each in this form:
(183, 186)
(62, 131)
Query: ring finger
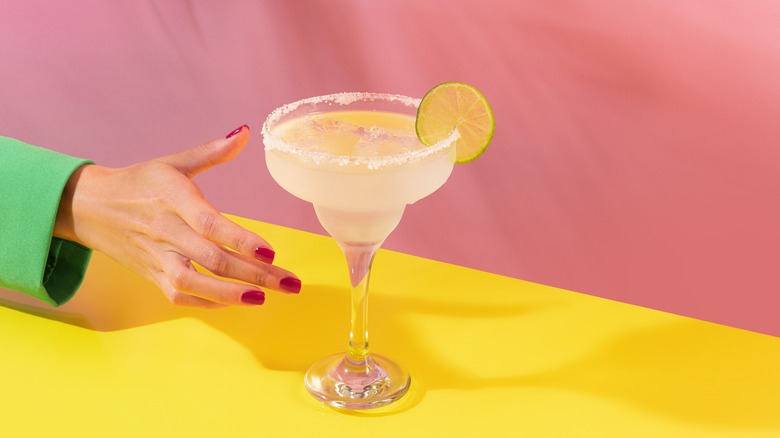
(195, 285)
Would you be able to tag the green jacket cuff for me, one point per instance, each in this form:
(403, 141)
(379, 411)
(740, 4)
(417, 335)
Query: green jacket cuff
(31, 259)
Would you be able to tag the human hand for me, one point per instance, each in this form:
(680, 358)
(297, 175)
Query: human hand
(153, 219)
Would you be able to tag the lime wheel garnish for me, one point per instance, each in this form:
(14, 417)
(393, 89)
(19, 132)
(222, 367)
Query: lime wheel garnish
(455, 105)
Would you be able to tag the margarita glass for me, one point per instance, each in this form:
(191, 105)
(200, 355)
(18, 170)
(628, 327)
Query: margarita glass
(357, 159)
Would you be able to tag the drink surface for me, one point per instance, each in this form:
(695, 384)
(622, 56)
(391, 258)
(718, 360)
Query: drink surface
(352, 134)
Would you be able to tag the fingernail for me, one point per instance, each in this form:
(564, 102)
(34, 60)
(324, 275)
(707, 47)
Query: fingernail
(290, 284)
(253, 297)
(265, 254)
(237, 130)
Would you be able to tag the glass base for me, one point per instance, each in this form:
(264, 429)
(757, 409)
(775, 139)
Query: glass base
(343, 383)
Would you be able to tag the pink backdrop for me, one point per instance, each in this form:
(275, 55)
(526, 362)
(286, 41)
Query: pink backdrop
(635, 156)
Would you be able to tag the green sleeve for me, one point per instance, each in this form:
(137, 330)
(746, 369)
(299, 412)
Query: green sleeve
(31, 259)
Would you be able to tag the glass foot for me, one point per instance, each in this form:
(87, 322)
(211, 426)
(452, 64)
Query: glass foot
(343, 383)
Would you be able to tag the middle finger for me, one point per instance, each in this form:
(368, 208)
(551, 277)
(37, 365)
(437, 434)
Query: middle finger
(229, 264)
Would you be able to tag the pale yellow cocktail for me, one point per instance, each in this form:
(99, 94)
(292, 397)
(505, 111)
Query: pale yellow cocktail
(357, 159)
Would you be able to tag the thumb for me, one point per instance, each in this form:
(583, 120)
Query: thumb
(194, 161)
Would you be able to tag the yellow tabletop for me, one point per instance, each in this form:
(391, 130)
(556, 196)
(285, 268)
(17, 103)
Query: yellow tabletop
(488, 355)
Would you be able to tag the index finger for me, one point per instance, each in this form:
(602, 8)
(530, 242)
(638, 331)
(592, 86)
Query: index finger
(215, 227)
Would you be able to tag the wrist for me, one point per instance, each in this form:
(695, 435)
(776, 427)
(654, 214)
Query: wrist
(66, 220)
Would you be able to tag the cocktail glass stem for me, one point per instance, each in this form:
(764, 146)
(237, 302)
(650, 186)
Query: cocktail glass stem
(359, 258)
(358, 379)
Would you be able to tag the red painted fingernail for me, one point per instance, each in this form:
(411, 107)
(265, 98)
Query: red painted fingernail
(254, 297)
(265, 254)
(237, 130)
(290, 284)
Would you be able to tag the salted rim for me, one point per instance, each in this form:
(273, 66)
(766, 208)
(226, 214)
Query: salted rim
(273, 143)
